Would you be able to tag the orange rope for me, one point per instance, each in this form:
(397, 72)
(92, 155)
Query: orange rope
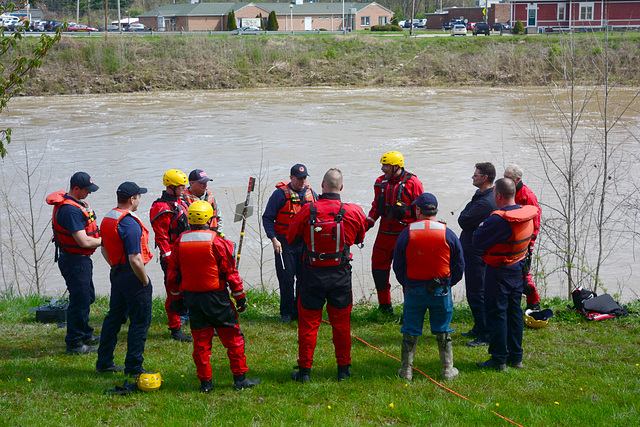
(434, 381)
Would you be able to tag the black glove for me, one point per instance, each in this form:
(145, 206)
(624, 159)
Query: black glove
(241, 304)
(177, 306)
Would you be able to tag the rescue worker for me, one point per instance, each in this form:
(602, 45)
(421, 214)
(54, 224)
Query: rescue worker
(328, 228)
(504, 237)
(524, 196)
(76, 236)
(202, 265)
(169, 218)
(427, 261)
(197, 190)
(126, 249)
(476, 211)
(286, 201)
(393, 194)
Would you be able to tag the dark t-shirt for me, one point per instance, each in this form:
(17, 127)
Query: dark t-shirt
(71, 218)
(130, 233)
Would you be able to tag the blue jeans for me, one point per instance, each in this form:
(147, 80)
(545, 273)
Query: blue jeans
(77, 271)
(474, 277)
(416, 302)
(505, 323)
(289, 277)
(128, 299)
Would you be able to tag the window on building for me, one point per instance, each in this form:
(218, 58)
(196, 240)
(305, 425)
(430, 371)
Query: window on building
(364, 21)
(562, 11)
(586, 12)
(382, 20)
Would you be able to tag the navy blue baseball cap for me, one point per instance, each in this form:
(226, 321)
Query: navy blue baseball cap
(299, 171)
(130, 189)
(83, 180)
(426, 201)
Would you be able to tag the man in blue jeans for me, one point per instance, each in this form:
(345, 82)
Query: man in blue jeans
(427, 261)
(126, 249)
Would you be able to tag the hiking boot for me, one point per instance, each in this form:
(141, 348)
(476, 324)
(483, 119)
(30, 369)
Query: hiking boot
(344, 372)
(478, 342)
(492, 364)
(302, 375)
(178, 335)
(240, 382)
(470, 334)
(534, 306)
(92, 340)
(82, 348)
(286, 319)
(137, 373)
(445, 348)
(386, 309)
(112, 368)
(408, 353)
(515, 365)
(206, 386)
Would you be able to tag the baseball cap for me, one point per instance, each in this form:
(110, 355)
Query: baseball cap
(199, 175)
(83, 180)
(426, 201)
(130, 189)
(299, 171)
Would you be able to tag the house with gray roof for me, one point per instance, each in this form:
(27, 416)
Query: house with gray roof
(291, 16)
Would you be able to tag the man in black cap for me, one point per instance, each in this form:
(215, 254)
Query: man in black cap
(197, 190)
(76, 236)
(126, 249)
(283, 204)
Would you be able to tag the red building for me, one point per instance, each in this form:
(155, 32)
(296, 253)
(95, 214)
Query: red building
(547, 15)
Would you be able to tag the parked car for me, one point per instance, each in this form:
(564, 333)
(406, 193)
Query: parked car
(109, 27)
(459, 30)
(500, 27)
(470, 26)
(135, 27)
(420, 24)
(75, 28)
(247, 30)
(481, 28)
(52, 25)
(37, 26)
(449, 25)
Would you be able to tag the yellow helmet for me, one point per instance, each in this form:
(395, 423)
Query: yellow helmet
(174, 177)
(200, 212)
(149, 382)
(392, 158)
(541, 318)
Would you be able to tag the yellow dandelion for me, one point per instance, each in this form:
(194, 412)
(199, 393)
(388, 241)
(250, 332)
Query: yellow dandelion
(406, 385)
(580, 388)
(328, 406)
(497, 404)
(182, 376)
(637, 364)
(391, 405)
(29, 379)
(556, 402)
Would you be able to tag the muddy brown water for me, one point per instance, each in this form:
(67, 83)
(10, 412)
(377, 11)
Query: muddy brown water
(233, 135)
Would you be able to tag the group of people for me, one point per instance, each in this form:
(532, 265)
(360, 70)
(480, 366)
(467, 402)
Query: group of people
(311, 237)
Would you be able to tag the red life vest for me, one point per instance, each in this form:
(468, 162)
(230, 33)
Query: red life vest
(179, 219)
(428, 253)
(291, 207)
(391, 203)
(514, 249)
(198, 263)
(113, 243)
(189, 197)
(63, 238)
(325, 237)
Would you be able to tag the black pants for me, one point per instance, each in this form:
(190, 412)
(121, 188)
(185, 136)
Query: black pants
(77, 271)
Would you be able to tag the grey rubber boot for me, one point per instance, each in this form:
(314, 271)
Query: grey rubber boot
(409, 344)
(445, 347)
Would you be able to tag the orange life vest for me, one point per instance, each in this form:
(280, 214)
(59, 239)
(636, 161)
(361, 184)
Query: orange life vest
(325, 241)
(62, 237)
(198, 263)
(428, 253)
(291, 207)
(515, 249)
(189, 197)
(113, 243)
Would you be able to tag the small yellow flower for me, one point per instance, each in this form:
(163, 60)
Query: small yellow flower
(580, 388)
(391, 405)
(556, 402)
(328, 406)
(182, 376)
(637, 364)
(406, 385)
(497, 404)
(29, 379)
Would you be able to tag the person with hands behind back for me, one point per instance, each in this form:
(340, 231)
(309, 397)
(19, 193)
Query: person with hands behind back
(201, 266)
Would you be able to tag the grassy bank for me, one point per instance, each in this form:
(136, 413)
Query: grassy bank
(576, 372)
(125, 63)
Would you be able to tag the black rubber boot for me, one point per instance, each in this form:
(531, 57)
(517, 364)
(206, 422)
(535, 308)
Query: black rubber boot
(386, 309)
(344, 372)
(302, 375)
(240, 382)
(206, 386)
(81, 348)
(93, 340)
(178, 335)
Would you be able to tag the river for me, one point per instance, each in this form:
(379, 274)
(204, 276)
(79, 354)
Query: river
(233, 135)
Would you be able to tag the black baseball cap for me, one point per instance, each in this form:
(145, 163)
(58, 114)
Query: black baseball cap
(83, 180)
(130, 189)
(299, 171)
(199, 175)
(426, 201)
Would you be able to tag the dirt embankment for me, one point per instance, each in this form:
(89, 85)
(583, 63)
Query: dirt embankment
(127, 64)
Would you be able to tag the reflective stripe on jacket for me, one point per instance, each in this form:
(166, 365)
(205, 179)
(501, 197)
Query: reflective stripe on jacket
(62, 237)
(291, 207)
(515, 249)
(189, 197)
(112, 241)
(428, 253)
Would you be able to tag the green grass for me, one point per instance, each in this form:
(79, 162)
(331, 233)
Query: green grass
(576, 372)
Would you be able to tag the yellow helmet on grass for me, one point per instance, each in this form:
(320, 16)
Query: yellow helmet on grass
(174, 177)
(537, 319)
(149, 382)
(392, 158)
(200, 212)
